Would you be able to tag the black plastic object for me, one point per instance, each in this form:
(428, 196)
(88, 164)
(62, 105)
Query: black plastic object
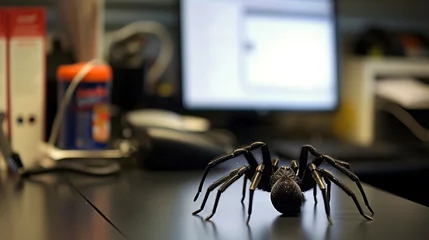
(128, 91)
(168, 149)
(379, 40)
(341, 150)
(103, 167)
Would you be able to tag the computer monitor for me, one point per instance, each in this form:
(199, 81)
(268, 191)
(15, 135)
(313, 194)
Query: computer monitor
(259, 55)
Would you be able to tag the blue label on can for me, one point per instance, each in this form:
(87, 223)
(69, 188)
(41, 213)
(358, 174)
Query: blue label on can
(86, 122)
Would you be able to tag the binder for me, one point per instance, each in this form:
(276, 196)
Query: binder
(26, 56)
(3, 74)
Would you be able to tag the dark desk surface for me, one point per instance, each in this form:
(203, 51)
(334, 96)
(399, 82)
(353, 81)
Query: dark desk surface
(155, 205)
(158, 205)
(48, 208)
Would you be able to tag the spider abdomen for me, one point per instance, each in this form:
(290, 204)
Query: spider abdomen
(286, 196)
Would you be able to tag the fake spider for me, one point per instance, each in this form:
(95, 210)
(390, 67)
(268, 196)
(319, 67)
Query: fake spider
(286, 183)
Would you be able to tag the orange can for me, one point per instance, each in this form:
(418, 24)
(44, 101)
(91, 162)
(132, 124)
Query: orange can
(86, 124)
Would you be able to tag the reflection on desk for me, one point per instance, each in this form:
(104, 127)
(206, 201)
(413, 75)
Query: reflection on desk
(48, 208)
(158, 205)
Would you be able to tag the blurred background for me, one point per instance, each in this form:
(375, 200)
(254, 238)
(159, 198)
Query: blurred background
(354, 19)
(350, 78)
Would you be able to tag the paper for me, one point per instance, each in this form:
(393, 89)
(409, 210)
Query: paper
(82, 21)
(408, 93)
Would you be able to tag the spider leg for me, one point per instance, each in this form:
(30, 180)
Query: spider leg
(328, 189)
(266, 156)
(330, 177)
(352, 176)
(322, 158)
(315, 195)
(342, 163)
(294, 165)
(224, 186)
(316, 176)
(319, 160)
(212, 187)
(303, 158)
(275, 164)
(241, 151)
(255, 182)
(244, 189)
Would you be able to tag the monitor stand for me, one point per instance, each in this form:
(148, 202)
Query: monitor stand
(250, 119)
(252, 127)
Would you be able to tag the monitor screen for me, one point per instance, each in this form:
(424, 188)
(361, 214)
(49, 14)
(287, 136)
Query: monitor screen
(259, 55)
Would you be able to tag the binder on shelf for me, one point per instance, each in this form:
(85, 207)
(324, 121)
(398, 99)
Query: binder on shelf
(27, 79)
(3, 73)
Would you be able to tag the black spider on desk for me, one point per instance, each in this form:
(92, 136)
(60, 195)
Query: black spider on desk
(286, 183)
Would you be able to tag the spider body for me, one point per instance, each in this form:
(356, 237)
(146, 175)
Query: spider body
(286, 184)
(286, 194)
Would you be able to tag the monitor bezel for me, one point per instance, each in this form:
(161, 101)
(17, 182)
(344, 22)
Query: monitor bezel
(203, 110)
